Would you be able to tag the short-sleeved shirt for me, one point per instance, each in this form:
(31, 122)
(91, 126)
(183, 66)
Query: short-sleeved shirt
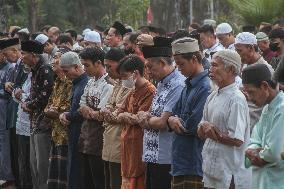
(208, 53)
(227, 109)
(157, 144)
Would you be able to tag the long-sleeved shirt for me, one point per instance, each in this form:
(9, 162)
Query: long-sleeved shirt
(60, 99)
(187, 148)
(96, 95)
(139, 99)
(41, 88)
(268, 134)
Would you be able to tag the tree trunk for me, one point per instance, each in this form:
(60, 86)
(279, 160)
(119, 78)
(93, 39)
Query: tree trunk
(3, 16)
(33, 14)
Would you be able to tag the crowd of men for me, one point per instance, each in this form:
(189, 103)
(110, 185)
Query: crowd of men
(201, 108)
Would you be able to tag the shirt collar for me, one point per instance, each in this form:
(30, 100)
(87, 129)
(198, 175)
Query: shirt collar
(227, 88)
(169, 77)
(101, 78)
(37, 66)
(275, 101)
(78, 79)
(192, 82)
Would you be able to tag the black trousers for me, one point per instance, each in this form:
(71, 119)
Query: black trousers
(92, 171)
(112, 175)
(158, 176)
(25, 178)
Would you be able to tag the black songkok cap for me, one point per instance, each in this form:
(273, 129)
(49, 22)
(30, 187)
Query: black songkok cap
(32, 46)
(115, 54)
(5, 43)
(120, 28)
(162, 48)
(276, 33)
(255, 74)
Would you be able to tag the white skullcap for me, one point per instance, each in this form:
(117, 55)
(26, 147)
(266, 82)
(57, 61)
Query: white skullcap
(86, 31)
(24, 30)
(231, 57)
(92, 36)
(185, 45)
(70, 58)
(41, 38)
(223, 28)
(261, 36)
(246, 38)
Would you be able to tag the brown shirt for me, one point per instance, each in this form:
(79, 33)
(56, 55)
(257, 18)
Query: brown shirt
(139, 99)
(111, 144)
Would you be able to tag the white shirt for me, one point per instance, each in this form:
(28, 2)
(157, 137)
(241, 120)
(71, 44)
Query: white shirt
(96, 93)
(227, 109)
(215, 48)
(232, 47)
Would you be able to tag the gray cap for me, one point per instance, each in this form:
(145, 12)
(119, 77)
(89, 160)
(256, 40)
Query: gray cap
(261, 36)
(69, 59)
(231, 57)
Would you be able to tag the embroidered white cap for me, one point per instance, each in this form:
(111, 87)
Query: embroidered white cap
(24, 30)
(41, 38)
(223, 28)
(246, 38)
(92, 36)
(86, 31)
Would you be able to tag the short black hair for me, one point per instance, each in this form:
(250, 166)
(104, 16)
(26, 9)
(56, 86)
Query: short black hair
(34, 35)
(133, 37)
(180, 34)
(63, 38)
(161, 32)
(94, 54)
(190, 55)
(72, 32)
(266, 29)
(131, 63)
(206, 29)
(280, 22)
(144, 29)
(45, 28)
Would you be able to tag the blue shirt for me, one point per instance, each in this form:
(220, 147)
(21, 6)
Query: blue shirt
(157, 143)
(187, 148)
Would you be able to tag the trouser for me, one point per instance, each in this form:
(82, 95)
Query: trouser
(14, 154)
(57, 171)
(92, 171)
(39, 158)
(5, 159)
(158, 176)
(112, 175)
(25, 178)
(232, 185)
(186, 182)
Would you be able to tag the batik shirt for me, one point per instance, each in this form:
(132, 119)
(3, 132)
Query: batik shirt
(157, 143)
(60, 99)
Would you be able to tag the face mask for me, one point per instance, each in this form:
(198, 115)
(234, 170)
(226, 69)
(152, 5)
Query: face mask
(129, 51)
(274, 47)
(129, 83)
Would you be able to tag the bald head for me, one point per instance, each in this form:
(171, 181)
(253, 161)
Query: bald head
(53, 34)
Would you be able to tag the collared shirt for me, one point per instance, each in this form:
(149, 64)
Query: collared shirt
(227, 109)
(41, 88)
(23, 123)
(157, 144)
(96, 95)
(112, 138)
(60, 100)
(186, 149)
(268, 134)
(208, 53)
(232, 47)
(139, 99)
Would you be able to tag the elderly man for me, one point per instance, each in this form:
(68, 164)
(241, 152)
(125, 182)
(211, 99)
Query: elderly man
(115, 35)
(53, 33)
(263, 44)
(246, 46)
(41, 88)
(209, 41)
(187, 113)
(267, 141)
(157, 140)
(225, 127)
(6, 69)
(225, 34)
(73, 69)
